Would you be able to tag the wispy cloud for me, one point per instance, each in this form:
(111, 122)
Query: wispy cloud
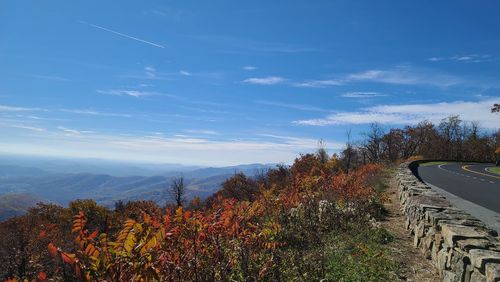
(68, 130)
(150, 71)
(362, 94)
(185, 73)
(470, 58)
(405, 75)
(249, 68)
(95, 113)
(22, 126)
(400, 75)
(300, 107)
(269, 80)
(123, 35)
(201, 131)
(412, 114)
(4, 108)
(305, 142)
(319, 83)
(123, 92)
(71, 131)
(272, 80)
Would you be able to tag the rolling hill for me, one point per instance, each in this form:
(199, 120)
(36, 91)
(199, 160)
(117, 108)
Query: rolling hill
(22, 187)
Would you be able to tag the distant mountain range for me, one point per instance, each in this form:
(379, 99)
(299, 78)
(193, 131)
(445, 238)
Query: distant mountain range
(24, 183)
(16, 204)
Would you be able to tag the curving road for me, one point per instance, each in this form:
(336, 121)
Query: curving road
(471, 182)
(469, 187)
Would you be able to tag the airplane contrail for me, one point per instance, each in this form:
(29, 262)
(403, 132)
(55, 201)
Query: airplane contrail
(121, 34)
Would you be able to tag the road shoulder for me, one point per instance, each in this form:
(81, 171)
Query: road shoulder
(413, 265)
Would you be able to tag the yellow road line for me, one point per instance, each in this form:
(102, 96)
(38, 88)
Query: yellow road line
(465, 167)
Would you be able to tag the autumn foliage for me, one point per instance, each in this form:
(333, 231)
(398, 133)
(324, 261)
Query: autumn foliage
(270, 228)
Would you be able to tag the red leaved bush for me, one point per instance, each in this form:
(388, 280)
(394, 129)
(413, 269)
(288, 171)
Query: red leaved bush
(252, 238)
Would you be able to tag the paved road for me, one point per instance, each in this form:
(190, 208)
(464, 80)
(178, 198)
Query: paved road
(470, 182)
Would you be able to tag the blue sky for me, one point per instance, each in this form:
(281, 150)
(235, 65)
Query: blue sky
(229, 82)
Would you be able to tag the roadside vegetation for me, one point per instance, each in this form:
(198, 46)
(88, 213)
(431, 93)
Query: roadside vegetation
(494, 170)
(306, 222)
(316, 219)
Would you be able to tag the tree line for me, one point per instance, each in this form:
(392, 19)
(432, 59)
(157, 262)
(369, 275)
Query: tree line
(452, 139)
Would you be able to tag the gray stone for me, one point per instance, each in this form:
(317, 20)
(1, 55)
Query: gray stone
(465, 222)
(480, 257)
(477, 277)
(457, 262)
(468, 272)
(420, 229)
(449, 276)
(451, 233)
(442, 257)
(427, 243)
(461, 247)
(469, 244)
(436, 247)
(423, 201)
(492, 272)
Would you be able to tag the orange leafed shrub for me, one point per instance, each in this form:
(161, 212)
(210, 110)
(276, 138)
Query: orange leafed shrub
(229, 240)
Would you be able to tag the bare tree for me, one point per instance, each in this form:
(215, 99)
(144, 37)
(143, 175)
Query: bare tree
(451, 130)
(177, 191)
(321, 152)
(374, 144)
(348, 152)
(495, 108)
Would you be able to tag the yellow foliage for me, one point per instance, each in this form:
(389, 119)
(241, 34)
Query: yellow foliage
(415, 158)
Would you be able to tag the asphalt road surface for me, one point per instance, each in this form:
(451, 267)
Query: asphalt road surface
(471, 182)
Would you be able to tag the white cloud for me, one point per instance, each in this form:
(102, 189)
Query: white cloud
(201, 131)
(4, 108)
(22, 126)
(95, 113)
(470, 58)
(69, 130)
(249, 68)
(150, 71)
(185, 73)
(400, 75)
(436, 59)
(304, 142)
(405, 75)
(269, 80)
(319, 83)
(74, 132)
(122, 92)
(362, 94)
(412, 114)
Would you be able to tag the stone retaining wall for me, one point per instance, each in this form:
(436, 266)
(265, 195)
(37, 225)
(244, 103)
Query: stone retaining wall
(461, 247)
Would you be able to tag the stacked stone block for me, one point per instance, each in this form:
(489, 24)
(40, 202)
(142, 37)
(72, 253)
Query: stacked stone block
(460, 246)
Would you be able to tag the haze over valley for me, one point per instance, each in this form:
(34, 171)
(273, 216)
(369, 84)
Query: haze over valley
(25, 181)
